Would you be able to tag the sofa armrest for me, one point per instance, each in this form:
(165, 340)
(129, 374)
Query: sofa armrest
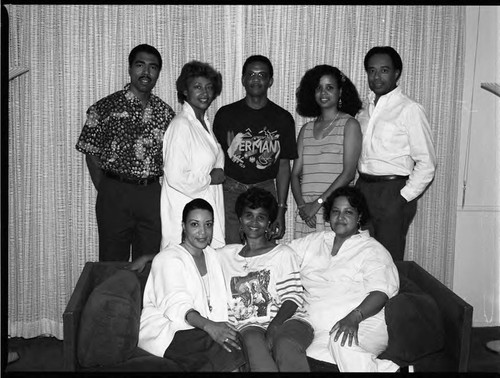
(456, 314)
(93, 274)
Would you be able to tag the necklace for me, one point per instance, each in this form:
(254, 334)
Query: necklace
(246, 263)
(207, 292)
(243, 254)
(255, 252)
(328, 126)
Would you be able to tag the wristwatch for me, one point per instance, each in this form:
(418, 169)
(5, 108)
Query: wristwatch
(320, 200)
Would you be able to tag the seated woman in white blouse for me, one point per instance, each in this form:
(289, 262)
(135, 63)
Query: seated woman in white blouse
(348, 277)
(184, 317)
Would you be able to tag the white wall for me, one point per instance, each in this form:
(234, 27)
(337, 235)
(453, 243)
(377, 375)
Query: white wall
(477, 263)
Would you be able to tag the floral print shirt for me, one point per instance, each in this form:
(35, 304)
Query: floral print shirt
(125, 136)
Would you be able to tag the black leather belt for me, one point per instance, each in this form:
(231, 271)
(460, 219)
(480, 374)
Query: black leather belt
(372, 178)
(143, 182)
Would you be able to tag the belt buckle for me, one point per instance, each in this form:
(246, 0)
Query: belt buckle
(143, 182)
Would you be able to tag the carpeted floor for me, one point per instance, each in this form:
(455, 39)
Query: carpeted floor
(45, 353)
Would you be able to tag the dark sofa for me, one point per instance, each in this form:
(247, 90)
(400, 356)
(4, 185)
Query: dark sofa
(429, 326)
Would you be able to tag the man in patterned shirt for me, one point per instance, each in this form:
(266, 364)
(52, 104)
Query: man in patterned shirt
(122, 141)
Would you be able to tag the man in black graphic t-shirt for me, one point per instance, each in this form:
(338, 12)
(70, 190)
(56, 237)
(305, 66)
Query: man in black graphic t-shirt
(258, 139)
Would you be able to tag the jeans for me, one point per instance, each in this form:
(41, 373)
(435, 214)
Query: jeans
(232, 189)
(288, 351)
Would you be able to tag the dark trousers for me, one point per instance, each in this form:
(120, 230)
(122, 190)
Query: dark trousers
(288, 352)
(127, 215)
(195, 351)
(391, 215)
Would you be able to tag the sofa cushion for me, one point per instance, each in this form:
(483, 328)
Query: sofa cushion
(414, 324)
(109, 325)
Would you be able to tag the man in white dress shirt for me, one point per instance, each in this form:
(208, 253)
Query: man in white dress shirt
(397, 160)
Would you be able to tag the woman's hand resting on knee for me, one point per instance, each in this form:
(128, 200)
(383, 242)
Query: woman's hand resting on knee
(348, 326)
(223, 333)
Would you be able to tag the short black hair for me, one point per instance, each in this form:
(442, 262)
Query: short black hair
(255, 198)
(197, 69)
(306, 102)
(356, 199)
(258, 58)
(196, 204)
(147, 49)
(388, 50)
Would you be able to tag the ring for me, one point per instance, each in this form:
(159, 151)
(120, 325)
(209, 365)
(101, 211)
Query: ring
(226, 339)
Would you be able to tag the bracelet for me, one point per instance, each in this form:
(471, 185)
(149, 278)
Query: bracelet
(283, 205)
(360, 313)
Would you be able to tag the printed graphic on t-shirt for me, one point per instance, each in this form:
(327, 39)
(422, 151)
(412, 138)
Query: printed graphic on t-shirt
(250, 295)
(261, 150)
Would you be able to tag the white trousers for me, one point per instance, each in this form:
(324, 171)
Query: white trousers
(373, 339)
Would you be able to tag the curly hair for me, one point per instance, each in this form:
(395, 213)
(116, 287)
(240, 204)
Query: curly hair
(255, 198)
(147, 49)
(197, 69)
(306, 102)
(356, 199)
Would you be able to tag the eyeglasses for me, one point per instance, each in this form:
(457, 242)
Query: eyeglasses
(260, 75)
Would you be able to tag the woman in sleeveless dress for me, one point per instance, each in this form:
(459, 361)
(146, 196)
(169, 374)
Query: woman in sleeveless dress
(328, 147)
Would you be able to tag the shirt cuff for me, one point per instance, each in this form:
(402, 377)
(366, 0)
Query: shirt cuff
(407, 194)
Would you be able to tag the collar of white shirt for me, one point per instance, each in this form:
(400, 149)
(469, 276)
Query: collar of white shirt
(396, 91)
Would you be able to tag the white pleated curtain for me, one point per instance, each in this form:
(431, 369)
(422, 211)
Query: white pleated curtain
(77, 54)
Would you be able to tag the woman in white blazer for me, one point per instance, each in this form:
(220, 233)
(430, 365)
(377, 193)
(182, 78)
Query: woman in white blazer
(193, 159)
(184, 316)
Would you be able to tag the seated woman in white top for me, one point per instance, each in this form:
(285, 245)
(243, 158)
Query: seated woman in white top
(264, 290)
(184, 317)
(348, 277)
